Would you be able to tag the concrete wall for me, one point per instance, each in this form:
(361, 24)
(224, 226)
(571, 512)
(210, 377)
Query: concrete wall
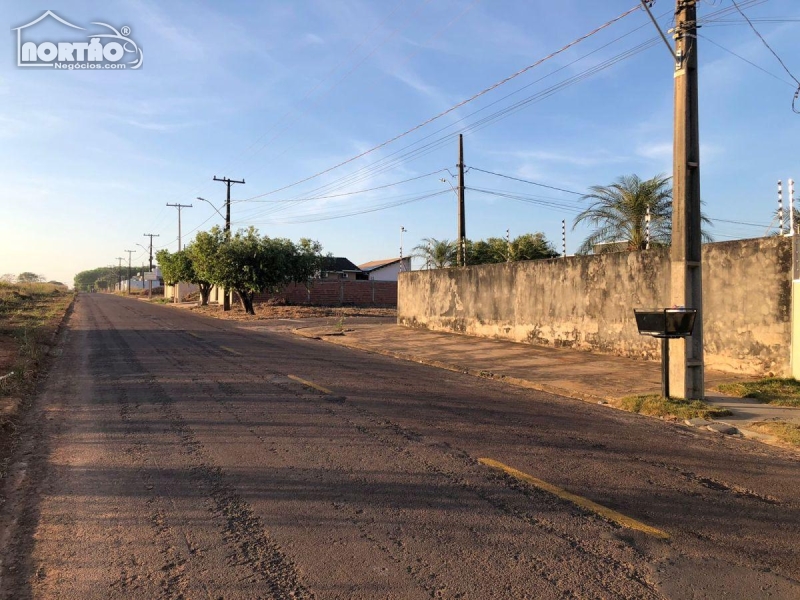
(587, 302)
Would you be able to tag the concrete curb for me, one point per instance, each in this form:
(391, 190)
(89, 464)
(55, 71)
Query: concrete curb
(340, 339)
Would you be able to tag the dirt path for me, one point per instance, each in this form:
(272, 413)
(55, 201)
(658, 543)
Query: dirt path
(173, 456)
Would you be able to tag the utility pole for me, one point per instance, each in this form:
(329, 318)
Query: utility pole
(781, 222)
(119, 273)
(179, 207)
(508, 245)
(150, 281)
(686, 370)
(462, 235)
(176, 287)
(130, 252)
(564, 238)
(226, 302)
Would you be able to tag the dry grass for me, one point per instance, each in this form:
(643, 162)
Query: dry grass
(274, 311)
(773, 390)
(29, 315)
(788, 433)
(656, 405)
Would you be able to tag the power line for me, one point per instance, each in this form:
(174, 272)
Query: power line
(322, 216)
(544, 185)
(458, 105)
(380, 187)
(739, 56)
(407, 153)
(775, 54)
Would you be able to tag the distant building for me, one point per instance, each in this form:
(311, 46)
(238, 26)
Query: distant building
(338, 267)
(387, 269)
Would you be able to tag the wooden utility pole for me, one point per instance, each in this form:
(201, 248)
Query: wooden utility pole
(128, 287)
(686, 284)
(119, 273)
(461, 258)
(176, 288)
(226, 302)
(179, 207)
(150, 281)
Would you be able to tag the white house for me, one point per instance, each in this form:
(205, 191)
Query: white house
(387, 269)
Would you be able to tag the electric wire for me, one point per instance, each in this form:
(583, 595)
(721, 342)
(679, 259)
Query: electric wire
(437, 143)
(458, 105)
(544, 185)
(775, 54)
(739, 56)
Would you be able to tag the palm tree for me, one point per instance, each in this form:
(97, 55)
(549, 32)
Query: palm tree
(619, 213)
(437, 254)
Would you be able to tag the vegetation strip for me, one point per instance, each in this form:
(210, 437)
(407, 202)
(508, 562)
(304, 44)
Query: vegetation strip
(310, 384)
(585, 503)
(776, 391)
(655, 405)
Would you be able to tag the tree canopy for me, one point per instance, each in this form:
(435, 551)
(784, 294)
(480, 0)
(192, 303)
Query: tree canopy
(439, 254)
(29, 277)
(250, 263)
(528, 246)
(100, 277)
(618, 213)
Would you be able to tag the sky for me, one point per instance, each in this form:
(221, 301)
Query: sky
(343, 116)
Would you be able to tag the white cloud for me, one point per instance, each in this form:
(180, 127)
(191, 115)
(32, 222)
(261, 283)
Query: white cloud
(655, 150)
(312, 39)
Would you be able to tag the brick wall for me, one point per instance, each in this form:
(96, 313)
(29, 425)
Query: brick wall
(337, 293)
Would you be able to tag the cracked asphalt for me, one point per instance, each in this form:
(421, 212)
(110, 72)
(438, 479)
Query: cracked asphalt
(170, 455)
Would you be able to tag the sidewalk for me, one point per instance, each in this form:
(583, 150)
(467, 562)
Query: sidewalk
(573, 373)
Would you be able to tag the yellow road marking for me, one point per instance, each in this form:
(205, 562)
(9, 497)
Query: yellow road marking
(231, 350)
(194, 335)
(585, 503)
(310, 384)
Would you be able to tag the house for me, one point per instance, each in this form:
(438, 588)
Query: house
(338, 267)
(387, 269)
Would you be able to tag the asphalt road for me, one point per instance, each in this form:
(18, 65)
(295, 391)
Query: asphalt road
(174, 456)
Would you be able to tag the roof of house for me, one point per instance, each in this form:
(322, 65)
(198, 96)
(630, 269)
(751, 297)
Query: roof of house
(377, 264)
(339, 263)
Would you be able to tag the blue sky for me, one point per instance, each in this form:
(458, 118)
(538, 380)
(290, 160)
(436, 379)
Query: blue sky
(274, 92)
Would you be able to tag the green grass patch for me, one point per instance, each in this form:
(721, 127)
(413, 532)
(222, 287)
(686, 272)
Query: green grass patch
(773, 390)
(784, 431)
(656, 405)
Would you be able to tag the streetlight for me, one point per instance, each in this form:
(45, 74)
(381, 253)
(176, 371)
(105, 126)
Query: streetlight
(211, 205)
(402, 231)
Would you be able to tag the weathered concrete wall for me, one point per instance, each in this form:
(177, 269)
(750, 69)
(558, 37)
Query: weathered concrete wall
(747, 295)
(587, 302)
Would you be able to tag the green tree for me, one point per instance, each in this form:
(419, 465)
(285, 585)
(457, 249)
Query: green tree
(28, 277)
(308, 260)
(618, 213)
(175, 267)
(99, 278)
(529, 246)
(203, 253)
(532, 246)
(437, 254)
(249, 264)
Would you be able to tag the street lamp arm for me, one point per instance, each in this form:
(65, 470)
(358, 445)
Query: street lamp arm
(211, 205)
